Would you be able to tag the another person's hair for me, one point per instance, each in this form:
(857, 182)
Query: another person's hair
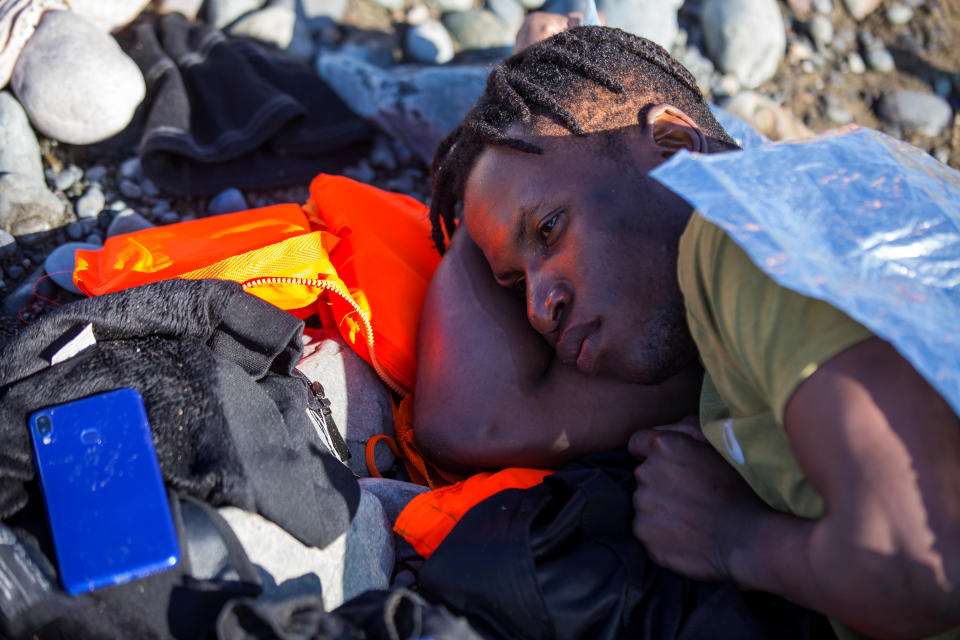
(589, 68)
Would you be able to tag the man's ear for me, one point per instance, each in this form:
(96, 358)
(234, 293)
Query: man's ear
(671, 130)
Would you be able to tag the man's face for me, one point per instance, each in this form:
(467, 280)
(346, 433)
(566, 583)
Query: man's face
(591, 241)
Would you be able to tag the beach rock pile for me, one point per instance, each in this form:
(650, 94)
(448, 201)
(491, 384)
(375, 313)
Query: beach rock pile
(413, 68)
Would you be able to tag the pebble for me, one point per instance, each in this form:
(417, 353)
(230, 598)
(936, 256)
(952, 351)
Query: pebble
(131, 189)
(744, 37)
(107, 15)
(821, 29)
(91, 203)
(361, 172)
(131, 169)
(16, 272)
(899, 14)
(836, 112)
(429, 41)
(27, 207)
(95, 173)
(943, 87)
(8, 244)
(478, 29)
(60, 263)
(227, 201)
(417, 106)
(510, 12)
(118, 205)
(19, 149)
(94, 238)
(823, 6)
(800, 7)
(652, 19)
(160, 206)
(67, 177)
(925, 113)
(149, 189)
(169, 217)
(856, 63)
(942, 154)
(127, 221)
(88, 225)
(74, 230)
(75, 82)
(860, 9)
(798, 51)
(532, 5)
(879, 58)
(453, 6)
(221, 13)
(277, 24)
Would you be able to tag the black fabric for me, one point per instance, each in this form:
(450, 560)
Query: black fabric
(182, 602)
(227, 112)
(558, 560)
(398, 614)
(215, 368)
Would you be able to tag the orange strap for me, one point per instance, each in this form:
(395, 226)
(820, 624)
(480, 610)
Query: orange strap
(430, 516)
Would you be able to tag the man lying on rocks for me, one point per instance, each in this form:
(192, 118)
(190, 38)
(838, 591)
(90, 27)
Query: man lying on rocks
(856, 458)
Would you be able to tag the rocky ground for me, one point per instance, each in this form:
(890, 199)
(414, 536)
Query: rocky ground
(807, 67)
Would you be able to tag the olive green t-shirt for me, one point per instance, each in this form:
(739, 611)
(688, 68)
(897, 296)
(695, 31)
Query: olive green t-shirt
(758, 342)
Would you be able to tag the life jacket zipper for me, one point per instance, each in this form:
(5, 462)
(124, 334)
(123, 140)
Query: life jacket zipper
(337, 289)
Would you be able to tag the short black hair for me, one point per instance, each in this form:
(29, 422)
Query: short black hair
(583, 67)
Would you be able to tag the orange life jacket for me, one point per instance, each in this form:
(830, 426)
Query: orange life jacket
(363, 253)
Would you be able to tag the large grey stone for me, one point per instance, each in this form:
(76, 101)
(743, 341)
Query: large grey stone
(277, 24)
(510, 12)
(359, 401)
(227, 201)
(221, 13)
(74, 81)
(60, 263)
(478, 29)
(653, 19)
(19, 150)
(359, 560)
(745, 38)
(27, 207)
(429, 41)
(925, 113)
(107, 15)
(417, 106)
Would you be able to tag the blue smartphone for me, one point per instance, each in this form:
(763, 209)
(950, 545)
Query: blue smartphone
(105, 498)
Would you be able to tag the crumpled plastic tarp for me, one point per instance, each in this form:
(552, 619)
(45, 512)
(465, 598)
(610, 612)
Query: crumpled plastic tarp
(863, 221)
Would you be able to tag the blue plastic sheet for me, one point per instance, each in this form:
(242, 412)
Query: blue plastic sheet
(856, 218)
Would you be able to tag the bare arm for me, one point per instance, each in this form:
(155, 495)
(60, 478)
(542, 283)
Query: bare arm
(490, 393)
(881, 447)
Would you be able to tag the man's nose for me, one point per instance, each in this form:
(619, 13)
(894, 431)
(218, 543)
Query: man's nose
(546, 305)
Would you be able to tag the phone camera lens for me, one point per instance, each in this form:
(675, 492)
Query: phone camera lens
(43, 425)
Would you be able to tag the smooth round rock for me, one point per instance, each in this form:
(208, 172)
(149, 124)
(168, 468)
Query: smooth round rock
(189, 8)
(130, 189)
(278, 25)
(925, 113)
(131, 169)
(769, 118)
(510, 12)
(429, 41)
(879, 59)
(61, 261)
(169, 217)
(478, 29)
(860, 9)
(745, 38)
(27, 206)
(821, 29)
(127, 221)
(453, 6)
(74, 81)
(91, 203)
(823, 6)
(149, 189)
(95, 173)
(652, 19)
(107, 15)
(67, 177)
(856, 63)
(899, 14)
(227, 201)
(19, 149)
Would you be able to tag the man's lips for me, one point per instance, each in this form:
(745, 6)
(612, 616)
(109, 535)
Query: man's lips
(570, 343)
